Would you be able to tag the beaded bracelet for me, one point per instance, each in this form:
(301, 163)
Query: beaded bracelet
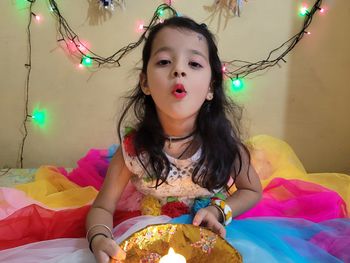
(226, 209)
(92, 238)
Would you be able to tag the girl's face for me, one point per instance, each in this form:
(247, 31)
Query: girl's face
(178, 74)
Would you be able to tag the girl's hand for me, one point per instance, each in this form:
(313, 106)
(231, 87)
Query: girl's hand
(105, 249)
(209, 216)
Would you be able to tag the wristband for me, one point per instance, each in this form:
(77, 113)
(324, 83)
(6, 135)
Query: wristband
(227, 211)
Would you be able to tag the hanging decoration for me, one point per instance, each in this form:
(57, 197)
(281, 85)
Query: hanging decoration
(238, 69)
(70, 38)
(234, 70)
(234, 5)
(111, 4)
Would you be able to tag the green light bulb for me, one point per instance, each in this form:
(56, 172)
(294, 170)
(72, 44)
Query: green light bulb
(237, 84)
(160, 12)
(39, 117)
(86, 61)
(304, 11)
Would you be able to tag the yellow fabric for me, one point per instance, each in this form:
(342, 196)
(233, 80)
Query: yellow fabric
(273, 158)
(54, 190)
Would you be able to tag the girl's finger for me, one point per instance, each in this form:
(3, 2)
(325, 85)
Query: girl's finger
(219, 229)
(198, 218)
(102, 257)
(114, 251)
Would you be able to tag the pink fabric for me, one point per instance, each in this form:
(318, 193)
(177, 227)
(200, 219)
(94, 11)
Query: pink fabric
(13, 200)
(298, 199)
(335, 240)
(281, 197)
(91, 169)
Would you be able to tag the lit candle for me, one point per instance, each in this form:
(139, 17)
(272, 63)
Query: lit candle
(172, 257)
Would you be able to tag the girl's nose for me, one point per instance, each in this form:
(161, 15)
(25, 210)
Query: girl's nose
(178, 73)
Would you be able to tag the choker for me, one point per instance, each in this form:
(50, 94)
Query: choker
(172, 139)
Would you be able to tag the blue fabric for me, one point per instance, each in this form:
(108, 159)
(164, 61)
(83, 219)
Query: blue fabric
(111, 151)
(282, 239)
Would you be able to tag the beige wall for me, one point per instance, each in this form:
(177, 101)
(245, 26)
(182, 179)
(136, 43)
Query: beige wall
(304, 102)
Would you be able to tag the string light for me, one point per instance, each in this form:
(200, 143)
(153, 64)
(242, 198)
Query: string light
(240, 68)
(160, 12)
(304, 11)
(82, 48)
(39, 117)
(168, 2)
(37, 17)
(237, 84)
(86, 61)
(321, 9)
(28, 66)
(66, 34)
(234, 70)
(224, 68)
(140, 26)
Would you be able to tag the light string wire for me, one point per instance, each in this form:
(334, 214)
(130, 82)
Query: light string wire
(28, 65)
(249, 68)
(69, 36)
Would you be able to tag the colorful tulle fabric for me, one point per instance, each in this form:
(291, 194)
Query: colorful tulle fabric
(301, 217)
(298, 199)
(53, 189)
(273, 158)
(34, 223)
(287, 240)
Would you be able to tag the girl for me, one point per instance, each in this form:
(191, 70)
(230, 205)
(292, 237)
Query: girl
(184, 145)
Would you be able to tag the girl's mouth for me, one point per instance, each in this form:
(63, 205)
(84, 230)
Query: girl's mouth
(179, 91)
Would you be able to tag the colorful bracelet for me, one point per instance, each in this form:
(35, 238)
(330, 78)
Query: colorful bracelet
(226, 209)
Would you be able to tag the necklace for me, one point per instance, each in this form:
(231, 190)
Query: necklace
(172, 139)
(184, 151)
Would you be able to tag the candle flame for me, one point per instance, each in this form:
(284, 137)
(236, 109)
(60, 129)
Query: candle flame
(172, 257)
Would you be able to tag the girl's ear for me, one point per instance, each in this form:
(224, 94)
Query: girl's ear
(143, 84)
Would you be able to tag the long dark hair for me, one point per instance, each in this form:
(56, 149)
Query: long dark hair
(217, 123)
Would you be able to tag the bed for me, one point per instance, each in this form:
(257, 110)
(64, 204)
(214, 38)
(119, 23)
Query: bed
(302, 217)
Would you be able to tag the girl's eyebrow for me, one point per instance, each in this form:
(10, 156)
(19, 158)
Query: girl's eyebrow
(196, 52)
(192, 51)
(161, 50)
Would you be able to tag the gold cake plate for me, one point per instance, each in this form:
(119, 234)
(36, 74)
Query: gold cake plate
(196, 244)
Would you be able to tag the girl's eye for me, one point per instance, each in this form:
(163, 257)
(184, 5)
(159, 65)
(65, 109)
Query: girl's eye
(195, 64)
(163, 62)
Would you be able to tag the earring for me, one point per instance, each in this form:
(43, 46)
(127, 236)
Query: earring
(144, 87)
(146, 91)
(210, 96)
